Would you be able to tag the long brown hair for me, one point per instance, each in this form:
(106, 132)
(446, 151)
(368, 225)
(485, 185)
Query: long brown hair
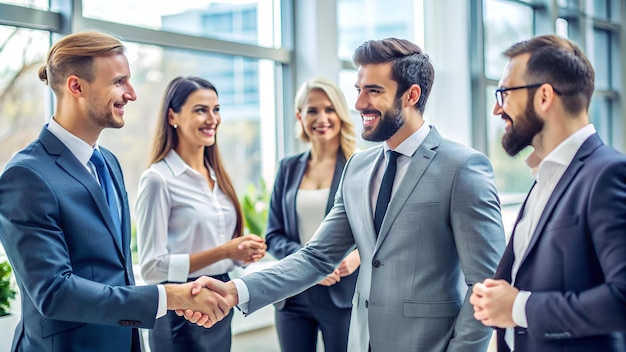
(166, 138)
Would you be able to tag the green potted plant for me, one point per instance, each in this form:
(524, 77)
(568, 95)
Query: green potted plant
(6, 289)
(255, 207)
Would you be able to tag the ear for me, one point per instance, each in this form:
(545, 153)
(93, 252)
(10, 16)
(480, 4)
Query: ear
(413, 94)
(545, 97)
(74, 86)
(298, 116)
(171, 117)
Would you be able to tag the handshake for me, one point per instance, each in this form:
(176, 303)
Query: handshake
(210, 300)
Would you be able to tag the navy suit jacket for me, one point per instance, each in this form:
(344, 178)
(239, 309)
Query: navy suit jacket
(575, 265)
(75, 278)
(282, 235)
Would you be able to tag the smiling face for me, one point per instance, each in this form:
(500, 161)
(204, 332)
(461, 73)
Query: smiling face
(318, 118)
(381, 111)
(197, 119)
(107, 95)
(522, 122)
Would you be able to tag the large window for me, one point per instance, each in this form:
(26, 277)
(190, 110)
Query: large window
(23, 108)
(252, 22)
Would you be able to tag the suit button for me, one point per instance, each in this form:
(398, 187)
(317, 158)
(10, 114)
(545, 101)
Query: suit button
(376, 263)
(367, 304)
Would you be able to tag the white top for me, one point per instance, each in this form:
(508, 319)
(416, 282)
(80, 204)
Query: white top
(310, 211)
(547, 175)
(177, 215)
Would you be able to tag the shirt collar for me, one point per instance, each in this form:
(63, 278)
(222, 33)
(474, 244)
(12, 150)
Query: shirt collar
(179, 166)
(410, 145)
(564, 153)
(81, 149)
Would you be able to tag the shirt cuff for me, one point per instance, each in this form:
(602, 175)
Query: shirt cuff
(178, 268)
(162, 308)
(519, 309)
(243, 294)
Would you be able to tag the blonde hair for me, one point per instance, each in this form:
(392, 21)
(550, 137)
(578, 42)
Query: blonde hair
(73, 55)
(347, 140)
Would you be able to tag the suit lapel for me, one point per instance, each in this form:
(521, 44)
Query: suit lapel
(372, 160)
(572, 170)
(506, 263)
(72, 166)
(418, 165)
(118, 183)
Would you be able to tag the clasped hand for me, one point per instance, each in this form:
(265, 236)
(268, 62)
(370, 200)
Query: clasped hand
(493, 303)
(204, 284)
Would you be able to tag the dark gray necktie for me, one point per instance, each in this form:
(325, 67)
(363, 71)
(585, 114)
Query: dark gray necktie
(384, 194)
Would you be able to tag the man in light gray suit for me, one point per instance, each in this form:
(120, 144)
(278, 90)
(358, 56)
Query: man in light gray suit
(441, 231)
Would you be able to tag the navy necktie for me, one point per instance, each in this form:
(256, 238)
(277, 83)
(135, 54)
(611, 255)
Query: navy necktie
(384, 194)
(107, 186)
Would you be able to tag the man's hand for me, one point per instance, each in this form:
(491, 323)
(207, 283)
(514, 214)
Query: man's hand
(493, 303)
(331, 279)
(226, 290)
(213, 306)
(349, 264)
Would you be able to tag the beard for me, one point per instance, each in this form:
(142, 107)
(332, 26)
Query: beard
(100, 114)
(389, 123)
(521, 134)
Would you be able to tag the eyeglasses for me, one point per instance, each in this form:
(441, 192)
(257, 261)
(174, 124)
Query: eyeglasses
(500, 96)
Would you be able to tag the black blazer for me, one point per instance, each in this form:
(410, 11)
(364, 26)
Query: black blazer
(282, 235)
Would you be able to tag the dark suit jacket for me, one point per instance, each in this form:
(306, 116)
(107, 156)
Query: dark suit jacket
(575, 265)
(283, 237)
(76, 280)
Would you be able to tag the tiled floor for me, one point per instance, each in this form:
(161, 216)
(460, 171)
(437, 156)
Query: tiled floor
(261, 340)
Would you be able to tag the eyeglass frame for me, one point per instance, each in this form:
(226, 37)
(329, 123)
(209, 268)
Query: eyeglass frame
(500, 98)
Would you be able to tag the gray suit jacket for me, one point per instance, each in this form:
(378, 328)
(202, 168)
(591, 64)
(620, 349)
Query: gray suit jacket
(442, 233)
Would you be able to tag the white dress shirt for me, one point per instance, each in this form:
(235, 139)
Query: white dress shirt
(547, 175)
(83, 151)
(407, 148)
(178, 214)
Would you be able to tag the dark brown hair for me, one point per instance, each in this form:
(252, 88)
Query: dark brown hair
(560, 62)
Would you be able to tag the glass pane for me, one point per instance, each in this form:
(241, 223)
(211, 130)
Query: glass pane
(238, 85)
(22, 113)
(250, 22)
(600, 116)
(35, 4)
(601, 58)
(601, 9)
(512, 174)
(505, 23)
(361, 20)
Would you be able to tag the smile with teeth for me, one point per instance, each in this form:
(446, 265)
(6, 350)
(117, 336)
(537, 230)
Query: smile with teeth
(208, 131)
(321, 128)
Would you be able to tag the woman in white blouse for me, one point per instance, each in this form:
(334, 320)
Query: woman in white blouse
(189, 221)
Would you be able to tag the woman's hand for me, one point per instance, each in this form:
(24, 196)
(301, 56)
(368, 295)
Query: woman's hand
(247, 249)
